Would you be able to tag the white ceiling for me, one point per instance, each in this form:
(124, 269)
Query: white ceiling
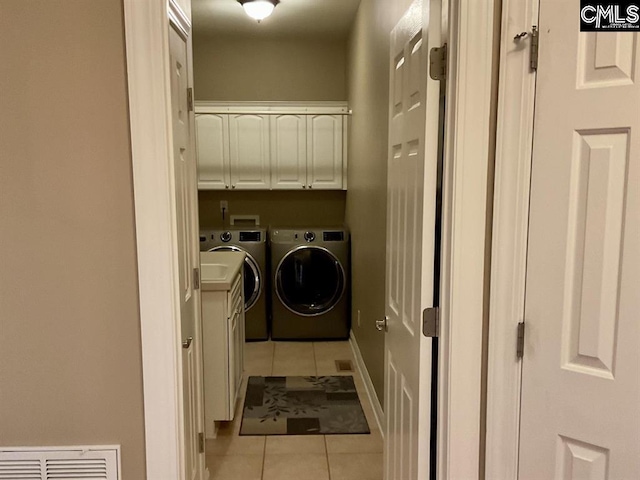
(291, 18)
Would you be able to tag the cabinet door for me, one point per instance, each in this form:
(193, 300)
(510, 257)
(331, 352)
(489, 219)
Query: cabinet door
(233, 362)
(288, 152)
(249, 152)
(212, 137)
(324, 149)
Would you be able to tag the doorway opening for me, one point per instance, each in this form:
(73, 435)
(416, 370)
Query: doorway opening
(273, 118)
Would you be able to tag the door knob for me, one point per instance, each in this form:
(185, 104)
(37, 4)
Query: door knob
(381, 325)
(187, 342)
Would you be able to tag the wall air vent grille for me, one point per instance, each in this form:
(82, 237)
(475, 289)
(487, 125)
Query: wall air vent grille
(86, 463)
(23, 469)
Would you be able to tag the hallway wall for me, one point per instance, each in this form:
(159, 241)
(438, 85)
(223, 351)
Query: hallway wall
(368, 95)
(70, 353)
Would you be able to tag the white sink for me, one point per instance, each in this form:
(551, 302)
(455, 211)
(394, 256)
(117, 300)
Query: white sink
(218, 270)
(213, 271)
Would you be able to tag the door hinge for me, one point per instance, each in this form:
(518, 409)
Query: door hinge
(190, 98)
(200, 442)
(196, 278)
(431, 322)
(535, 41)
(520, 342)
(438, 63)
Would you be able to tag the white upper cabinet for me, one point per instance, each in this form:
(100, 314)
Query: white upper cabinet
(324, 150)
(249, 152)
(288, 152)
(212, 137)
(280, 146)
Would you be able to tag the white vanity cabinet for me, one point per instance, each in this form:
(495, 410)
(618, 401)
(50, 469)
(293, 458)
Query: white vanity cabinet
(223, 342)
(272, 146)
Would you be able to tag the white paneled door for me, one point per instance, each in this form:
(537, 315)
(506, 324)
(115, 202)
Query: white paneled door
(412, 167)
(186, 211)
(580, 412)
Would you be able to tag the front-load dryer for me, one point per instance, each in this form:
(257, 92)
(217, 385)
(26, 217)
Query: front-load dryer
(254, 243)
(310, 283)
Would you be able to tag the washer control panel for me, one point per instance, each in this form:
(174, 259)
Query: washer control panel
(225, 236)
(309, 236)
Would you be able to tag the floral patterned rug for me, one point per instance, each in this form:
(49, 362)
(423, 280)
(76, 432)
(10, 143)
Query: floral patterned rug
(302, 406)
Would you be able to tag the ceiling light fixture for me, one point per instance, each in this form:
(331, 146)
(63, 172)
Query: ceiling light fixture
(259, 9)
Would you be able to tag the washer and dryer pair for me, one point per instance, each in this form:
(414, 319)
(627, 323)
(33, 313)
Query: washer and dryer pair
(306, 273)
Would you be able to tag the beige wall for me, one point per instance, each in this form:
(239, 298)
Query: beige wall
(368, 94)
(278, 208)
(70, 357)
(260, 69)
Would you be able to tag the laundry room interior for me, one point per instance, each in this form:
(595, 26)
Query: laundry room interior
(291, 149)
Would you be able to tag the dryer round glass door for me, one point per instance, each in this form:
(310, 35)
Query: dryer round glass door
(252, 276)
(310, 280)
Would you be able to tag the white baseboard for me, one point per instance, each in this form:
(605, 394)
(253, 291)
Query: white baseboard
(368, 384)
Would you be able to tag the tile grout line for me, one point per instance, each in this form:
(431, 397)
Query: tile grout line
(264, 448)
(273, 358)
(315, 360)
(264, 457)
(326, 453)
(324, 437)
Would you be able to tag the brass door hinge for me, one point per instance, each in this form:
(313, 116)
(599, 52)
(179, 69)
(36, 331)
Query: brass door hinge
(431, 322)
(201, 442)
(196, 278)
(190, 99)
(520, 341)
(438, 63)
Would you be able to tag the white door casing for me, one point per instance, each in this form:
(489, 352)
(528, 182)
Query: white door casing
(185, 217)
(580, 413)
(411, 194)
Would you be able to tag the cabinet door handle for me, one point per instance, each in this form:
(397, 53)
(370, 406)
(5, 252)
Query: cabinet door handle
(304, 186)
(233, 186)
(310, 186)
(187, 342)
(226, 186)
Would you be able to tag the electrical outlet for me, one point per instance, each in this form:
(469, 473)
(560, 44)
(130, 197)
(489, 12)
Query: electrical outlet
(224, 206)
(358, 318)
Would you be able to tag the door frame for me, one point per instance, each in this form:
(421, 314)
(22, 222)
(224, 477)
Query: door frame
(514, 148)
(147, 26)
(468, 28)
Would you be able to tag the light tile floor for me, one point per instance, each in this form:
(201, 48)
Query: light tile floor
(308, 457)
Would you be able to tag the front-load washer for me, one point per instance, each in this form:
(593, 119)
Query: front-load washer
(310, 283)
(254, 243)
